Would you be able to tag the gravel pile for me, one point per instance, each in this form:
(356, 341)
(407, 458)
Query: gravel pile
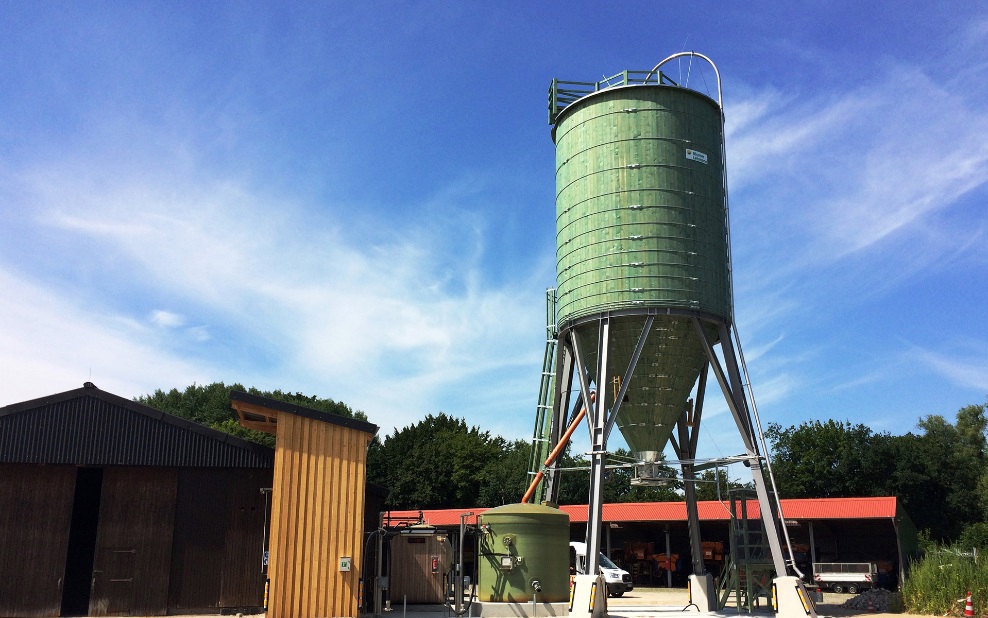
(880, 600)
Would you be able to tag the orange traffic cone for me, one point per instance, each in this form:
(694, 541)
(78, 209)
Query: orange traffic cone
(969, 607)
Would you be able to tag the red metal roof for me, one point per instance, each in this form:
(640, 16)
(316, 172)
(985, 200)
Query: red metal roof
(795, 509)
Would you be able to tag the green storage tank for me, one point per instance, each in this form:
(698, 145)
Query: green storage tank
(641, 229)
(520, 543)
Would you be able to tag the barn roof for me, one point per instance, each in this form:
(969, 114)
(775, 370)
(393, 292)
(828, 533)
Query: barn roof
(87, 426)
(793, 509)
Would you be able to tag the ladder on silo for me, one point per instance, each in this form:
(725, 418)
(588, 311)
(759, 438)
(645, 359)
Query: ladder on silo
(543, 409)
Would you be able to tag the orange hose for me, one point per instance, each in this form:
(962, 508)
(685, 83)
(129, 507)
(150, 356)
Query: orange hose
(556, 451)
(531, 488)
(565, 439)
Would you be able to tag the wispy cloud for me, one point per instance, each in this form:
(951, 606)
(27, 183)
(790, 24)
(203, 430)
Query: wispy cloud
(839, 200)
(58, 344)
(324, 308)
(859, 166)
(771, 133)
(927, 152)
(966, 367)
(166, 319)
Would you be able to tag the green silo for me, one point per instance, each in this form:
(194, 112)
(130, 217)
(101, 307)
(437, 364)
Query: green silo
(641, 229)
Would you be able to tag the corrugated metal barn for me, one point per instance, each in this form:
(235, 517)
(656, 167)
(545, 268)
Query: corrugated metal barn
(109, 507)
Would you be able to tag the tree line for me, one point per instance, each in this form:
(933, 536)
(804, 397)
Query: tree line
(940, 472)
(209, 405)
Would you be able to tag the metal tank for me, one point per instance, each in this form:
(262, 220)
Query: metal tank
(521, 544)
(641, 230)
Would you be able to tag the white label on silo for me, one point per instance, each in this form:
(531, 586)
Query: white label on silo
(696, 155)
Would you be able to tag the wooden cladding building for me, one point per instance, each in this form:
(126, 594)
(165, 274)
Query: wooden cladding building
(109, 507)
(418, 564)
(317, 506)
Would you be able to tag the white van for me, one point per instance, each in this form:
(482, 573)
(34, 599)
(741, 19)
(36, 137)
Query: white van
(618, 580)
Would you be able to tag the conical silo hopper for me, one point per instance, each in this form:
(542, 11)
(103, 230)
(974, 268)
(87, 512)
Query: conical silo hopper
(641, 230)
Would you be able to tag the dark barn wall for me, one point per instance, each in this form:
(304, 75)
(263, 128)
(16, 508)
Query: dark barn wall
(374, 497)
(95, 492)
(243, 576)
(197, 549)
(133, 545)
(35, 514)
(218, 544)
(168, 540)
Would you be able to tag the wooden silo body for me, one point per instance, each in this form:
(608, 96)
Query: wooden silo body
(317, 506)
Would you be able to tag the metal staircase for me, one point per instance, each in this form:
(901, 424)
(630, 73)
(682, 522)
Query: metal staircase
(748, 570)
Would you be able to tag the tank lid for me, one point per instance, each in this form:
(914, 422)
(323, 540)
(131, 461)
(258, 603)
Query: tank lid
(525, 509)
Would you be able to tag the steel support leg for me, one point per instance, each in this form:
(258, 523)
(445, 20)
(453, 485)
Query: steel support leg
(598, 461)
(689, 488)
(731, 385)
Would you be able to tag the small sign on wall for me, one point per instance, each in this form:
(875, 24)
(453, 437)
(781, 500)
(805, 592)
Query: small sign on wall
(345, 563)
(696, 155)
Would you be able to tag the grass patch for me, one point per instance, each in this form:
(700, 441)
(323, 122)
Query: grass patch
(936, 582)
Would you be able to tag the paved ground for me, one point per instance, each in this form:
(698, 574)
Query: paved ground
(637, 600)
(669, 603)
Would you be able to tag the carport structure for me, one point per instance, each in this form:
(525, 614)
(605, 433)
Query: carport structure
(868, 529)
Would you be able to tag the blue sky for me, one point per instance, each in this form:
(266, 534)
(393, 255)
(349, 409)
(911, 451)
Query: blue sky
(356, 200)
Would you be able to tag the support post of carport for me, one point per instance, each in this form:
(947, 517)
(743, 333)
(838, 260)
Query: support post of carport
(812, 546)
(668, 559)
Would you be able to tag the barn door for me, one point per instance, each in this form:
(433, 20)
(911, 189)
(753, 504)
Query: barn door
(133, 543)
(35, 511)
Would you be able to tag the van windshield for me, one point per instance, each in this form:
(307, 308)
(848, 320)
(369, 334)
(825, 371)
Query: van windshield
(606, 563)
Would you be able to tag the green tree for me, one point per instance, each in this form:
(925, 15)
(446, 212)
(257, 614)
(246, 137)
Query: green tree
(439, 462)
(715, 485)
(210, 405)
(574, 485)
(830, 460)
(974, 535)
(505, 479)
(939, 472)
(983, 492)
(574, 478)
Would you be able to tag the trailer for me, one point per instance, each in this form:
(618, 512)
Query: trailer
(850, 577)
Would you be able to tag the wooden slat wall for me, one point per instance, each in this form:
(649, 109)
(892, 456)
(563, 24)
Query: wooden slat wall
(243, 579)
(218, 541)
(316, 518)
(412, 578)
(201, 511)
(133, 545)
(35, 514)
